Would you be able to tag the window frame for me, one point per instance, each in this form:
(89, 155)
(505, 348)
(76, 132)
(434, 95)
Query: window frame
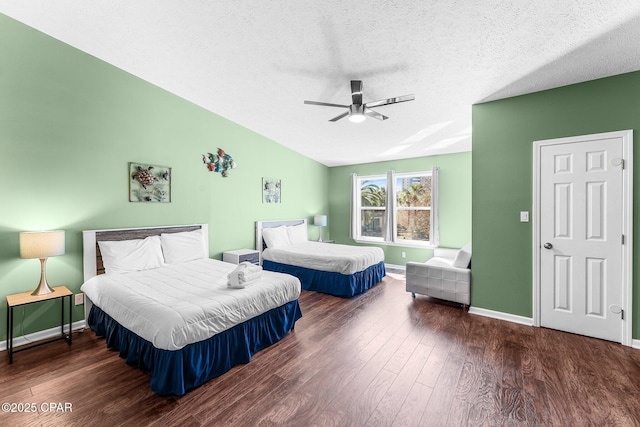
(359, 208)
(408, 242)
(394, 240)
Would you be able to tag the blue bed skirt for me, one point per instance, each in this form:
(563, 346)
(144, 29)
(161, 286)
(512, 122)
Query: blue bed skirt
(176, 372)
(341, 285)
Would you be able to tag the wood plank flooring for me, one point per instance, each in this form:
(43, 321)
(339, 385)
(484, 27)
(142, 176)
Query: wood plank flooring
(380, 359)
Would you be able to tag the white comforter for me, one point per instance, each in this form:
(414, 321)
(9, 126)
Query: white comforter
(179, 304)
(343, 259)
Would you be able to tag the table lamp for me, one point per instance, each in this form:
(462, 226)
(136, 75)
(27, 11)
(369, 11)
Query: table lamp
(42, 245)
(320, 221)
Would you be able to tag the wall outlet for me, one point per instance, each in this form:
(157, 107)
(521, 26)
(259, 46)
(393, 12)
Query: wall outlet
(404, 254)
(524, 216)
(79, 298)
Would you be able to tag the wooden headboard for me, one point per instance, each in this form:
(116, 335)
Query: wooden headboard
(260, 225)
(92, 259)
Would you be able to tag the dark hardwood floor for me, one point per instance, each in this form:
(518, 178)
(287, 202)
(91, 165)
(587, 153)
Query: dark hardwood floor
(379, 359)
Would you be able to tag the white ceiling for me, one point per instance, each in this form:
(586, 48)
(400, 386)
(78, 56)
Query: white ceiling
(255, 61)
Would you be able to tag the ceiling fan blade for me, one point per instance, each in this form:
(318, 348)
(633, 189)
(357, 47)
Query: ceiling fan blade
(356, 92)
(341, 116)
(325, 104)
(388, 101)
(374, 114)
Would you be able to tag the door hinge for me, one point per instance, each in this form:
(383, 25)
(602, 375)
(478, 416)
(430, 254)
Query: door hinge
(622, 314)
(623, 239)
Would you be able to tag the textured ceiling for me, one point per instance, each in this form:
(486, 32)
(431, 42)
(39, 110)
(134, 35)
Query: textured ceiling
(255, 61)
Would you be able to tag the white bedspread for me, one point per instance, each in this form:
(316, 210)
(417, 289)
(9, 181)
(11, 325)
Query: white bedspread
(179, 304)
(343, 259)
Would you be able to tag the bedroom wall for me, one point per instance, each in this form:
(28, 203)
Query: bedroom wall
(455, 201)
(69, 126)
(503, 133)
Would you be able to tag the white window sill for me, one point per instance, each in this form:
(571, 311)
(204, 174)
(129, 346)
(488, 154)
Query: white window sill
(400, 244)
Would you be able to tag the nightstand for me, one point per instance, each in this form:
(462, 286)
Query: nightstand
(242, 255)
(25, 298)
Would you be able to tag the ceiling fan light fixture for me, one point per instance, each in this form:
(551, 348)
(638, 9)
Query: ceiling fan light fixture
(358, 110)
(356, 113)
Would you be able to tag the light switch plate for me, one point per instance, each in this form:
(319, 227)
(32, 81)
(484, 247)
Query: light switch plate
(524, 216)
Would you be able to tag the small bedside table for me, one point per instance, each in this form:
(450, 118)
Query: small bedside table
(25, 298)
(242, 255)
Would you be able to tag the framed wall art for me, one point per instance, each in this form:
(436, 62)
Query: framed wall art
(149, 183)
(271, 190)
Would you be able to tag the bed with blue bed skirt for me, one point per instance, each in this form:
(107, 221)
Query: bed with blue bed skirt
(178, 371)
(335, 269)
(184, 324)
(330, 282)
(178, 318)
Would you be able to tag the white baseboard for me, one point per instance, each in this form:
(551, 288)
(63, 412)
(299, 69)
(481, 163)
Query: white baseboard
(42, 335)
(395, 267)
(502, 316)
(520, 319)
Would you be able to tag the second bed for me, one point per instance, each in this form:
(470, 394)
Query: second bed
(340, 270)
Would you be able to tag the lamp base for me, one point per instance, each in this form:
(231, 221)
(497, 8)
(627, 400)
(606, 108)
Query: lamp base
(43, 287)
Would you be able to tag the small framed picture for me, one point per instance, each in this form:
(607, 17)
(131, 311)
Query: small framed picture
(271, 190)
(149, 183)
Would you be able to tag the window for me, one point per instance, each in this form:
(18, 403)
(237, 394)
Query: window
(413, 208)
(395, 208)
(373, 199)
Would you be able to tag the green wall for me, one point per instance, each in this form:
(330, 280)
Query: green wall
(455, 201)
(69, 125)
(503, 133)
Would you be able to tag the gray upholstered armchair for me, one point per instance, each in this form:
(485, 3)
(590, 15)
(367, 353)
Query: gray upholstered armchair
(445, 276)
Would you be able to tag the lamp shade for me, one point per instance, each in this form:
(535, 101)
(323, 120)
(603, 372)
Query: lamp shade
(41, 244)
(320, 220)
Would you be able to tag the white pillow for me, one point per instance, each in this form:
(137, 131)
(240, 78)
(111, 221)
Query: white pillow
(276, 237)
(297, 233)
(184, 246)
(125, 256)
(463, 257)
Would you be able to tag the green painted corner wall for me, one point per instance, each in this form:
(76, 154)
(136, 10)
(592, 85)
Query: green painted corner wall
(69, 126)
(502, 185)
(455, 201)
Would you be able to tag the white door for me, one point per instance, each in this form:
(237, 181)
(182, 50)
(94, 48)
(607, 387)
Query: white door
(581, 237)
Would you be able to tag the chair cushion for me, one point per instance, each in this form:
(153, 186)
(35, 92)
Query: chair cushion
(439, 262)
(463, 257)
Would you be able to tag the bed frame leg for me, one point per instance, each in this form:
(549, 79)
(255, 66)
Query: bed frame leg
(413, 294)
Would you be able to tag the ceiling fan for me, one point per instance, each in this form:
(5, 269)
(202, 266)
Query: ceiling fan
(358, 111)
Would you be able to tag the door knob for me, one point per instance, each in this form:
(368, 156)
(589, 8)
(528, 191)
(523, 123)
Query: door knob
(615, 309)
(548, 245)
